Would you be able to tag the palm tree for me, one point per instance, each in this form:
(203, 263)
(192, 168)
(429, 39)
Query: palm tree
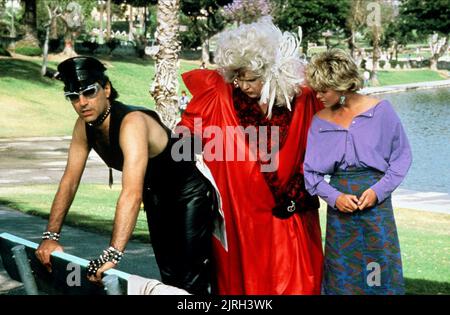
(164, 88)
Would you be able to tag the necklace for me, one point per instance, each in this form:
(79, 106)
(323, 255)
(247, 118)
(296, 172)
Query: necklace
(100, 120)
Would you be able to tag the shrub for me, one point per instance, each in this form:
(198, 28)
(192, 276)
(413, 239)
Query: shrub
(382, 63)
(91, 46)
(414, 64)
(363, 64)
(112, 44)
(425, 63)
(28, 51)
(4, 52)
(443, 65)
(55, 45)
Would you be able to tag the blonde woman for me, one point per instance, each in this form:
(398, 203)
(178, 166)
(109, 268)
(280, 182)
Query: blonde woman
(361, 143)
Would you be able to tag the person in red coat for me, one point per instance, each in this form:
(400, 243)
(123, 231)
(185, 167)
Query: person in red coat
(253, 115)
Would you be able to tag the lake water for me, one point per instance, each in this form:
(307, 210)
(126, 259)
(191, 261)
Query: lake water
(426, 117)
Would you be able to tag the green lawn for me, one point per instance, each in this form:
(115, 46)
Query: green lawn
(407, 76)
(93, 208)
(35, 106)
(424, 236)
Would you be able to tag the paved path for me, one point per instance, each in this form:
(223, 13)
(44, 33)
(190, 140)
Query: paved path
(427, 201)
(42, 161)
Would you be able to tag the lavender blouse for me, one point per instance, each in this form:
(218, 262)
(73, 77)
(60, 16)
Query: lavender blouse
(375, 139)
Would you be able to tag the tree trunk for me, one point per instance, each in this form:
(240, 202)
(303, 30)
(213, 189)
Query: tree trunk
(72, 18)
(108, 19)
(45, 50)
(30, 22)
(376, 55)
(205, 52)
(440, 48)
(305, 48)
(12, 28)
(394, 49)
(69, 43)
(352, 44)
(164, 88)
(354, 21)
(52, 14)
(145, 22)
(130, 25)
(142, 18)
(433, 63)
(327, 42)
(100, 35)
(54, 29)
(53, 9)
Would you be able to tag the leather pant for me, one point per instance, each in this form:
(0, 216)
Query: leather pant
(180, 225)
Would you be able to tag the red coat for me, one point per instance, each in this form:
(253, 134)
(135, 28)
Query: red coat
(266, 255)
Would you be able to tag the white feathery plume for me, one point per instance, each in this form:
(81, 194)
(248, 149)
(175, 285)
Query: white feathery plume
(281, 79)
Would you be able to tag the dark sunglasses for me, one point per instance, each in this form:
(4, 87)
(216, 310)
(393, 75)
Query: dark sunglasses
(89, 92)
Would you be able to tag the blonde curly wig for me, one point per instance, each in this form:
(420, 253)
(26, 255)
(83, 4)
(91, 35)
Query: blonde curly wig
(272, 55)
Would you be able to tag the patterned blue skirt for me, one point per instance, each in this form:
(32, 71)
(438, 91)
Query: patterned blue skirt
(362, 252)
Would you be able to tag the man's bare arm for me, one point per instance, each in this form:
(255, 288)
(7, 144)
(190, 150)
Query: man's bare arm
(68, 186)
(134, 134)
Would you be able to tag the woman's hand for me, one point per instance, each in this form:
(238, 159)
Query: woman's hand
(347, 203)
(367, 199)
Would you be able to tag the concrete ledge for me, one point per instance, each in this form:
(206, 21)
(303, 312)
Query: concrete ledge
(405, 87)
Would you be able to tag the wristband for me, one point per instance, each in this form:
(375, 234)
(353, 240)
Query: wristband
(47, 235)
(109, 255)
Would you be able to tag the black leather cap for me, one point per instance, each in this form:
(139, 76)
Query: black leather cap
(79, 72)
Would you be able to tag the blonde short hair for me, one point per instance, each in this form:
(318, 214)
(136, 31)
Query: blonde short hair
(335, 70)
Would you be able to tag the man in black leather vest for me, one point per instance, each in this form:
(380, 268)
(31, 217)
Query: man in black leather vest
(178, 200)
